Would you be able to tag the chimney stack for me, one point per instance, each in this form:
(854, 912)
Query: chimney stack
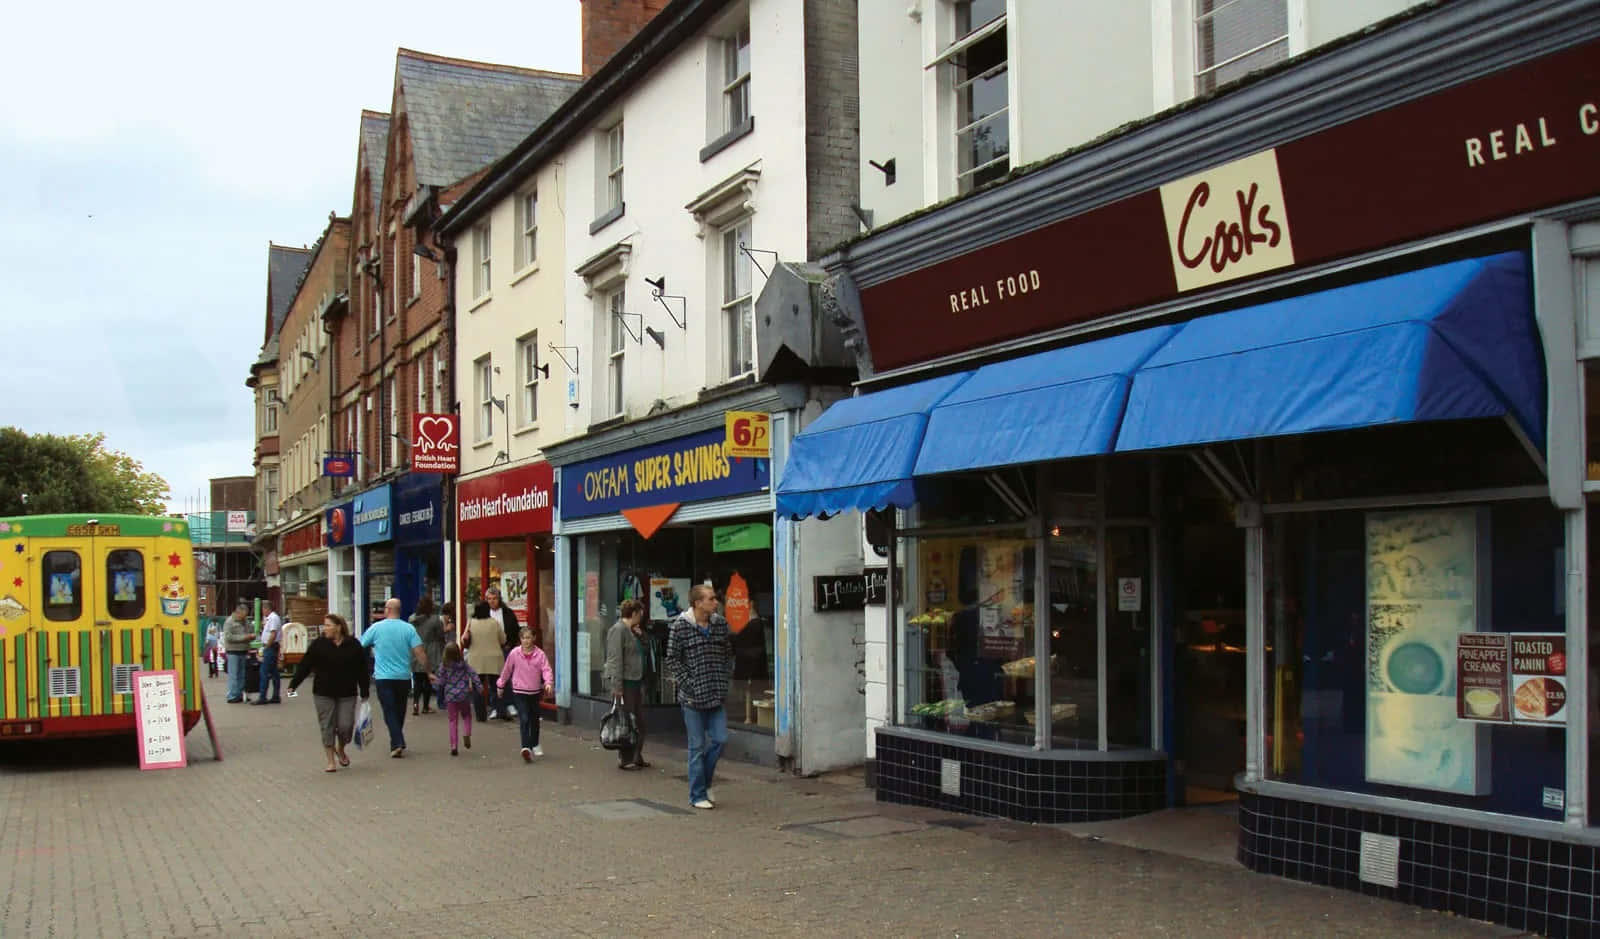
(609, 24)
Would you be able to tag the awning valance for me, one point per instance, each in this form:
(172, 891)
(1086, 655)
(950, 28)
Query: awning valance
(1453, 341)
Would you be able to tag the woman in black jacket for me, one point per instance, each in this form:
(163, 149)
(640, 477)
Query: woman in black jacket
(340, 666)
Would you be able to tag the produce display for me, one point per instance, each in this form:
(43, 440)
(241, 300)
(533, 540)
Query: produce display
(1023, 667)
(992, 712)
(938, 616)
(938, 708)
(1058, 712)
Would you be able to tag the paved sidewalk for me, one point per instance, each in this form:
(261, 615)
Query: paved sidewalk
(265, 843)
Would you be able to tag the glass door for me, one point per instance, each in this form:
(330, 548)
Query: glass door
(1129, 666)
(1074, 584)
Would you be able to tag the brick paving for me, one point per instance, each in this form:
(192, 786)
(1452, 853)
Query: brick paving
(266, 844)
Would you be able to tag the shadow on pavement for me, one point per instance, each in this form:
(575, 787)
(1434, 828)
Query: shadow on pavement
(47, 755)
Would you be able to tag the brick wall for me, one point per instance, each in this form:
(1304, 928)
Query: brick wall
(609, 24)
(233, 492)
(833, 124)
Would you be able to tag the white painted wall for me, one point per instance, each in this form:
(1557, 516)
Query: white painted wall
(891, 107)
(519, 300)
(665, 125)
(1327, 20)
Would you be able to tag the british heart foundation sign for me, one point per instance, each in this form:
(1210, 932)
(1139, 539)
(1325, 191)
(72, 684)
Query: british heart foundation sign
(436, 443)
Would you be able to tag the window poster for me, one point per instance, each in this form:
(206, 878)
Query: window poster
(514, 588)
(1003, 617)
(1423, 576)
(669, 596)
(125, 586)
(61, 591)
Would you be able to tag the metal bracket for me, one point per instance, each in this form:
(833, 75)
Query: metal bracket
(751, 253)
(621, 317)
(571, 366)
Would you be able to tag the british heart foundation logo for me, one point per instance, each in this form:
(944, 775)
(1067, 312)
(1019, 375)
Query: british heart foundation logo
(435, 443)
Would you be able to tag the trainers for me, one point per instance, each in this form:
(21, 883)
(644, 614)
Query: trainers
(468, 741)
(494, 714)
(711, 795)
(511, 710)
(703, 804)
(527, 755)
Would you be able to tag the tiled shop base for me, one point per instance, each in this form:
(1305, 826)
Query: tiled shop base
(1033, 787)
(1534, 884)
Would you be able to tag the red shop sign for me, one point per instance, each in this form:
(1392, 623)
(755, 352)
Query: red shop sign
(1518, 140)
(436, 443)
(509, 504)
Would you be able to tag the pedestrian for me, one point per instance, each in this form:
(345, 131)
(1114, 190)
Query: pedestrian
(458, 685)
(397, 653)
(236, 637)
(624, 674)
(447, 613)
(271, 642)
(213, 636)
(510, 629)
(481, 640)
(700, 660)
(430, 629)
(527, 676)
(338, 666)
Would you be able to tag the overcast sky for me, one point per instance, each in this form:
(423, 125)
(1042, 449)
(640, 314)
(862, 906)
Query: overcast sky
(150, 153)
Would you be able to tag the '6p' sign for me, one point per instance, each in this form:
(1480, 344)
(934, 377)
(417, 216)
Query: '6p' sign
(749, 434)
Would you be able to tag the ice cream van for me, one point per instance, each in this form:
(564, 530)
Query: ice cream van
(86, 601)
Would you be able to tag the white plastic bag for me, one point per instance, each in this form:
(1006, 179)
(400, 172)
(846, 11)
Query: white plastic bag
(363, 733)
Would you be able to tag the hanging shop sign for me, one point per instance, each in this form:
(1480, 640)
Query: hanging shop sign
(339, 465)
(1521, 139)
(418, 509)
(831, 592)
(508, 504)
(436, 443)
(1422, 589)
(371, 516)
(748, 433)
(338, 525)
(685, 469)
(754, 536)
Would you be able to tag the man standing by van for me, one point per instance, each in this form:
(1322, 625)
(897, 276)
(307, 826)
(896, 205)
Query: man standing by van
(236, 637)
(396, 653)
(271, 641)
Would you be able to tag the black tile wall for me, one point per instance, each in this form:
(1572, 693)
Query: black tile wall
(1018, 786)
(1542, 886)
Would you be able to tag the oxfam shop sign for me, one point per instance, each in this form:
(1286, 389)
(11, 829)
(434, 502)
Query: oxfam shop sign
(686, 469)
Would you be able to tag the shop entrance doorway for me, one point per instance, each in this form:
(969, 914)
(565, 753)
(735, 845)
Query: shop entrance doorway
(1208, 642)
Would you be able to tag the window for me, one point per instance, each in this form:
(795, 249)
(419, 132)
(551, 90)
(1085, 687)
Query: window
(1235, 37)
(614, 168)
(394, 420)
(483, 387)
(125, 585)
(978, 68)
(377, 311)
(436, 367)
(480, 259)
(527, 228)
(361, 434)
(616, 303)
(269, 420)
(528, 373)
(736, 79)
(63, 586)
(270, 475)
(394, 279)
(738, 310)
(416, 275)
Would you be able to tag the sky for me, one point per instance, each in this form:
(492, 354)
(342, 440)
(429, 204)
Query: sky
(152, 152)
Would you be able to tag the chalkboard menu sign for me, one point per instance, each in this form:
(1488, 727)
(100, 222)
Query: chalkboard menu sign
(158, 720)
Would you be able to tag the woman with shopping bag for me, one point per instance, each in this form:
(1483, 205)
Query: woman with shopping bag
(339, 666)
(624, 675)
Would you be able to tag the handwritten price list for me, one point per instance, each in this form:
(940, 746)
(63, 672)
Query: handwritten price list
(159, 718)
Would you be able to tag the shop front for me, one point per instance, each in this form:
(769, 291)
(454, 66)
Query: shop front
(1290, 510)
(649, 523)
(419, 548)
(338, 534)
(303, 577)
(374, 543)
(503, 525)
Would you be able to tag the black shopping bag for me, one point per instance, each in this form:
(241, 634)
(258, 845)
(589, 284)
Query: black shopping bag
(617, 729)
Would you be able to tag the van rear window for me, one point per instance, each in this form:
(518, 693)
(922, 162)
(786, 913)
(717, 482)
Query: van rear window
(63, 586)
(125, 583)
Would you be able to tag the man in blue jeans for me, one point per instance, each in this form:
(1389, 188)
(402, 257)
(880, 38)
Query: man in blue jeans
(396, 652)
(700, 660)
(271, 633)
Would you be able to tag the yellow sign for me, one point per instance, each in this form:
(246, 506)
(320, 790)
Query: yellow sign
(1230, 221)
(749, 434)
(93, 528)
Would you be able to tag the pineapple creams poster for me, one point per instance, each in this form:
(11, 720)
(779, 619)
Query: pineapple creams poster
(1422, 590)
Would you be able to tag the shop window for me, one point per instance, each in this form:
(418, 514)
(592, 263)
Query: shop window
(971, 499)
(1367, 688)
(63, 586)
(1591, 411)
(125, 584)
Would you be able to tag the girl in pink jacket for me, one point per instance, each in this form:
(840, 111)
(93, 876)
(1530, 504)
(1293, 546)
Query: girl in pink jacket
(527, 675)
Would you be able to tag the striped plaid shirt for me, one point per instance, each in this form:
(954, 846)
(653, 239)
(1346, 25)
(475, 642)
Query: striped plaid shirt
(700, 660)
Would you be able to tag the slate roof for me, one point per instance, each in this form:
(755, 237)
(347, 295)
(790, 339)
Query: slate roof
(465, 115)
(375, 145)
(285, 267)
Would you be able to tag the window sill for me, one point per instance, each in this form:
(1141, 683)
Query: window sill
(727, 140)
(728, 387)
(525, 273)
(608, 423)
(614, 213)
(525, 429)
(480, 444)
(481, 301)
(413, 300)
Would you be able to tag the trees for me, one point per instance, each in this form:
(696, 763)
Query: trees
(45, 474)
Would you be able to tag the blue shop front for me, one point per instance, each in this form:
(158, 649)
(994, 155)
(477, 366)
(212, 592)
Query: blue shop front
(374, 573)
(418, 525)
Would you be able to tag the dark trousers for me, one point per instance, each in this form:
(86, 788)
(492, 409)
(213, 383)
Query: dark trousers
(633, 703)
(270, 675)
(392, 694)
(421, 689)
(528, 714)
(482, 701)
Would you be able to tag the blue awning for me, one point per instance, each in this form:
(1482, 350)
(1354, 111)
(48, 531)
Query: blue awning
(1453, 341)
(1049, 406)
(860, 453)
